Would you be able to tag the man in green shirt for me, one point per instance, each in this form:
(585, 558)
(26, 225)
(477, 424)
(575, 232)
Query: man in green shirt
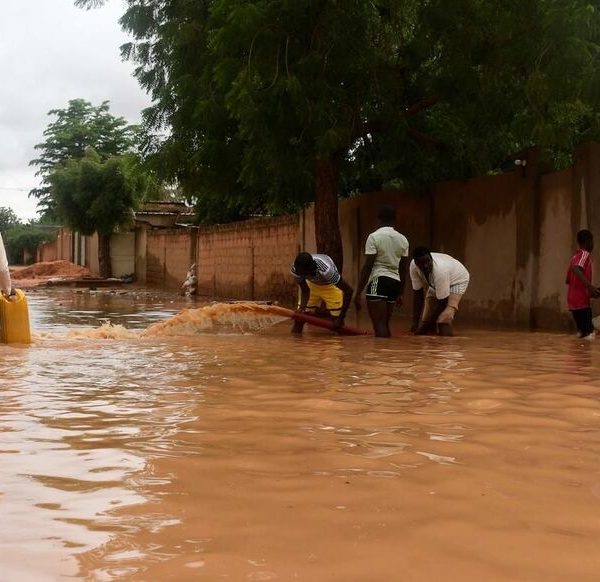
(384, 272)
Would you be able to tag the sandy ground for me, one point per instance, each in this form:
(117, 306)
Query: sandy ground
(40, 276)
(40, 273)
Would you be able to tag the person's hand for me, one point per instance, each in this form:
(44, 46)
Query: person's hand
(357, 302)
(400, 301)
(596, 292)
(11, 295)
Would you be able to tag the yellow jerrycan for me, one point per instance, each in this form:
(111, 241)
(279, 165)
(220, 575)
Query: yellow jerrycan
(14, 319)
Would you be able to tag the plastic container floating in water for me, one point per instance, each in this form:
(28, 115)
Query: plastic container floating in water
(14, 319)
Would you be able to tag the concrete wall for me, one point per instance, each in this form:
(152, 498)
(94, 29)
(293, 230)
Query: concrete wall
(64, 245)
(122, 254)
(63, 248)
(47, 252)
(252, 259)
(249, 260)
(484, 223)
(73, 247)
(515, 233)
(141, 243)
(92, 260)
(557, 242)
(169, 255)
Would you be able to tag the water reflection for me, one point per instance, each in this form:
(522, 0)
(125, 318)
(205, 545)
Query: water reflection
(265, 456)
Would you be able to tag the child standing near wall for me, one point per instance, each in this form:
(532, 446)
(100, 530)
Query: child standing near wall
(580, 290)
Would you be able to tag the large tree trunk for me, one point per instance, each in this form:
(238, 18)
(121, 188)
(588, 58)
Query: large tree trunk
(327, 226)
(104, 255)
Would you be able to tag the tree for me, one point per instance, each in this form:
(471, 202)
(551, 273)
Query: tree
(98, 195)
(25, 237)
(78, 127)
(272, 103)
(7, 218)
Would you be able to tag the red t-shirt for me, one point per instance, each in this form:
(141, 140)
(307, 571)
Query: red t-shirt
(578, 297)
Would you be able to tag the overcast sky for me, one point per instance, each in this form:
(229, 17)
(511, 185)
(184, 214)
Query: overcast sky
(51, 52)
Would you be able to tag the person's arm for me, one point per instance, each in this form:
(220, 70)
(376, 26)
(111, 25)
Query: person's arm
(580, 274)
(365, 272)
(347, 291)
(402, 270)
(5, 283)
(304, 294)
(418, 303)
(419, 287)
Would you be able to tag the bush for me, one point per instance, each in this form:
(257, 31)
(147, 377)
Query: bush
(25, 237)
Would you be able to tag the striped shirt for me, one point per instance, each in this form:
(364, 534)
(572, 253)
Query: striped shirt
(327, 273)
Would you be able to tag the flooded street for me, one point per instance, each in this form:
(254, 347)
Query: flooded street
(261, 456)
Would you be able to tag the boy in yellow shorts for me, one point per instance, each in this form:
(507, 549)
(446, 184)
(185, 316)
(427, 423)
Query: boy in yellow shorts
(320, 283)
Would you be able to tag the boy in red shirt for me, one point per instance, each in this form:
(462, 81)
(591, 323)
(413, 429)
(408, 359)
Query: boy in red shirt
(579, 280)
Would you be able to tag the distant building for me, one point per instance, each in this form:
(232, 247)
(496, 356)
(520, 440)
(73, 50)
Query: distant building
(164, 214)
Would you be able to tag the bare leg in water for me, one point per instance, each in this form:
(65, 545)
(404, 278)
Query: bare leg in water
(380, 312)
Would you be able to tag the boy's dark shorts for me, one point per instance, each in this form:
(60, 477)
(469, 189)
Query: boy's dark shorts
(383, 289)
(583, 320)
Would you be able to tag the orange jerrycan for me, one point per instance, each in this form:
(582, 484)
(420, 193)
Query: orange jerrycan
(14, 319)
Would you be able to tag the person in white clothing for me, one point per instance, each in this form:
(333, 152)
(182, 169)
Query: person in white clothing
(5, 284)
(439, 282)
(384, 272)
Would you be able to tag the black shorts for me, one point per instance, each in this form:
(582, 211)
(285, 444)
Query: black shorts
(383, 289)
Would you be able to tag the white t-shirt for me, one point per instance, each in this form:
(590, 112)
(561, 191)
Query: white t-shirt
(389, 246)
(447, 272)
(4, 272)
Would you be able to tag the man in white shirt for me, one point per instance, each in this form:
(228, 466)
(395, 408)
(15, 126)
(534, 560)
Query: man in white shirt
(5, 284)
(386, 260)
(439, 282)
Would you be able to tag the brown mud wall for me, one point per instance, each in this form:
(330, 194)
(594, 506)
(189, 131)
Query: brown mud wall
(248, 260)
(168, 257)
(514, 231)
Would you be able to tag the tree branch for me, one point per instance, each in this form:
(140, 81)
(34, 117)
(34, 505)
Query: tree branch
(420, 106)
(377, 125)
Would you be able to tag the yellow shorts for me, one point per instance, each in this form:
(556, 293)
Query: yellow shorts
(330, 295)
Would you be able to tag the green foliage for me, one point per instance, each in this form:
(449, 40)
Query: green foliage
(76, 129)
(7, 218)
(96, 195)
(510, 75)
(25, 237)
(248, 94)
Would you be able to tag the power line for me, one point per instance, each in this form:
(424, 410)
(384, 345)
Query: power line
(19, 189)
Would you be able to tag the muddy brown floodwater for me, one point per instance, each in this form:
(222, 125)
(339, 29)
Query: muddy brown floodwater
(253, 456)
